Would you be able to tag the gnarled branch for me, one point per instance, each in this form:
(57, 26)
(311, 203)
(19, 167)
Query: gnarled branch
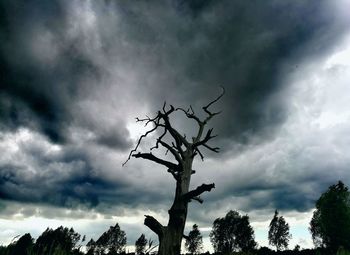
(161, 120)
(153, 158)
(207, 137)
(193, 194)
(210, 115)
(141, 137)
(154, 225)
(206, 108)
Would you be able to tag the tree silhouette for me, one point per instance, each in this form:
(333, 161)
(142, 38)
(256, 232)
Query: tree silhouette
(150, 247)
(91, 247)
(113, 241)
(54, 241)
(279, 232)
(330, 224)
(183, 151)
(232, 233)
(140, 244)
(22, 246)
(194, 241)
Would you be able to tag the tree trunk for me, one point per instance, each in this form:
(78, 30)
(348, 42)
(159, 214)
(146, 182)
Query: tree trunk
(170, 241)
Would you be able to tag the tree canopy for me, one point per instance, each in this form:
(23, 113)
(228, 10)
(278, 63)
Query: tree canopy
(194, 241)
(113, 240)
(330, 224)
(232, 233)
(279, 232)
(61, 239)
(140, 244)
(22, 246)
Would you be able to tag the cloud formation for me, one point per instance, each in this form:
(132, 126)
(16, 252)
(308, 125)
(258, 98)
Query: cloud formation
(59, 53)
(74, 75)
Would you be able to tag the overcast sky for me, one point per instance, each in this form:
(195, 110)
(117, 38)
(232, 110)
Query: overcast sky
(75, 74)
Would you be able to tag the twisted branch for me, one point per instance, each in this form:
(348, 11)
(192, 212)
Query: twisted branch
(194, 194)
(154, 225)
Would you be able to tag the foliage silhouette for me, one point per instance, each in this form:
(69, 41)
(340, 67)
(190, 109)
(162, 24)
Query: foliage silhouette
(140, 244)
(113, 241)
(232, 233)
(56, 241)
(23, 245)
(330, 224)
(194, 241)
(279, 232)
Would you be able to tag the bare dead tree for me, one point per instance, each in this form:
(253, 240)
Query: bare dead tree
(183, 152)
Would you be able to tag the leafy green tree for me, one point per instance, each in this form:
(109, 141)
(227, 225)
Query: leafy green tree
(194, 241)
(232, 233)
(330, 224)
(140, 244)
(279, 232)
(113, 241)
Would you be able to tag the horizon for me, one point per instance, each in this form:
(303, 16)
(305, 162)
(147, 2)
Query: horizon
(76, 74)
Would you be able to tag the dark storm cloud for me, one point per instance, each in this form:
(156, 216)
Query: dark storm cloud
(41, 70)
(181, 51)
(67, 178)
(245, 47)
(43, 89)
(56, 77)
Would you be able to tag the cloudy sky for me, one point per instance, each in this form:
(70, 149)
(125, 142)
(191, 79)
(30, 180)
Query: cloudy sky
(75, 74)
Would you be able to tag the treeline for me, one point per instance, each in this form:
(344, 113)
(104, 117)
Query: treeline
(65, 241)
(231, 234)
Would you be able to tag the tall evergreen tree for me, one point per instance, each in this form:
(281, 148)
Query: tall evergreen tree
(140, 244)
(113, 240)
(279, 232)
(194, 241)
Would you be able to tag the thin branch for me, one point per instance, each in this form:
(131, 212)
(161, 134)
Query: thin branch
(199, 152)
(205, 108)
(207, 137)
(172, 150)
(158, 140)
(162, 120)
(179, 139)
(148, 120)
(190, 114)
(210, 115)
(214, 149)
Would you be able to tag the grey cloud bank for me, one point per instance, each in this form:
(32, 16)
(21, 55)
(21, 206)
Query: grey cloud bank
(75, 74)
